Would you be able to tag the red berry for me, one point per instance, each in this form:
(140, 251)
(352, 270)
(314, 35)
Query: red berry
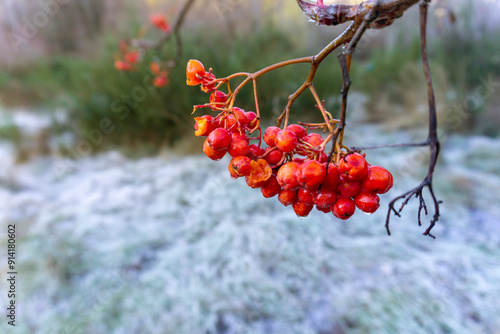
(302, 209)
(314, 139)
(378, 180)
(332, 178)
(160, 22)
(344, 208)
(218, 98)
(240, 166)
(307, 196)
(270, 135)
(325, 210)
(194, 72)
(255, 151)
(203, 126)
(353, 167)
(273, 156)
(287, 197)
(160, 81)
(287, 175)
(271, 188)
(219, 139)
(251, 119)
(241, 116)
(211, 153)
(348, 189)
(253, 183)
(299, 131)
(208, 87)
(311, 174)
(326, 198)
(286, 140)
(367, 202)
(239, 146)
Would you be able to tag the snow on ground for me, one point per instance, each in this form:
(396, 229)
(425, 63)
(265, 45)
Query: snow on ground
(172, 245)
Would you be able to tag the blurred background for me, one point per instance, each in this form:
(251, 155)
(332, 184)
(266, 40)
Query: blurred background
(123, 227)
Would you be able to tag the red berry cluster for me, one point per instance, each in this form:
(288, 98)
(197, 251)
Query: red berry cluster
(293, 165)
(128, 58)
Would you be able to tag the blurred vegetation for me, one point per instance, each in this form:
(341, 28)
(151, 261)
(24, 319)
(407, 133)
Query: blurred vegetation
(91, 89)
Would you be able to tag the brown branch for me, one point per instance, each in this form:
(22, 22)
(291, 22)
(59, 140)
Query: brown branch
(175, 32)
(432, 142)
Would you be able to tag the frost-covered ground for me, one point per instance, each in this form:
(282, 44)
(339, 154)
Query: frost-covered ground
(173, 245)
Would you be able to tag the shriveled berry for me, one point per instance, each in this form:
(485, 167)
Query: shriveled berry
(204, 125)
(367, 202)
(299, 131)
(219, 139)
(325, 198)
(311, 174)
(287, 177)
(261, 171)
(378, 180)
(332, 178)
(353, 167)
(240, 166)
(253, 183)
(286, 140)
(273, 155)
(348, 189)
(271, 188)
(344, 208)
(302, 209)
(211, 153)
(270, 135)
(287, 197)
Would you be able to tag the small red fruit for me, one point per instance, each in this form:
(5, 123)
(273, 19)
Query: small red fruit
(344, 208)
(241, 116)
(218, 98)
(307, 196)
(219, 139)
(299, 131)
(378, 180)
(287, 197)
(348, 189)
(332, 178)
(160, 22)
(160, 81)
(194, 72)
(270, 135)
(353, 167)
(211, 153)
(273, 155)
(287, 175)
(251, 119)
(326, 198)
(367, 202)
(271, 188)
(302, 209)
(325, 210)
(311, 174)
(286, 140)
(239, 166)
(314, 139)
(255, 151)
(239, 146)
